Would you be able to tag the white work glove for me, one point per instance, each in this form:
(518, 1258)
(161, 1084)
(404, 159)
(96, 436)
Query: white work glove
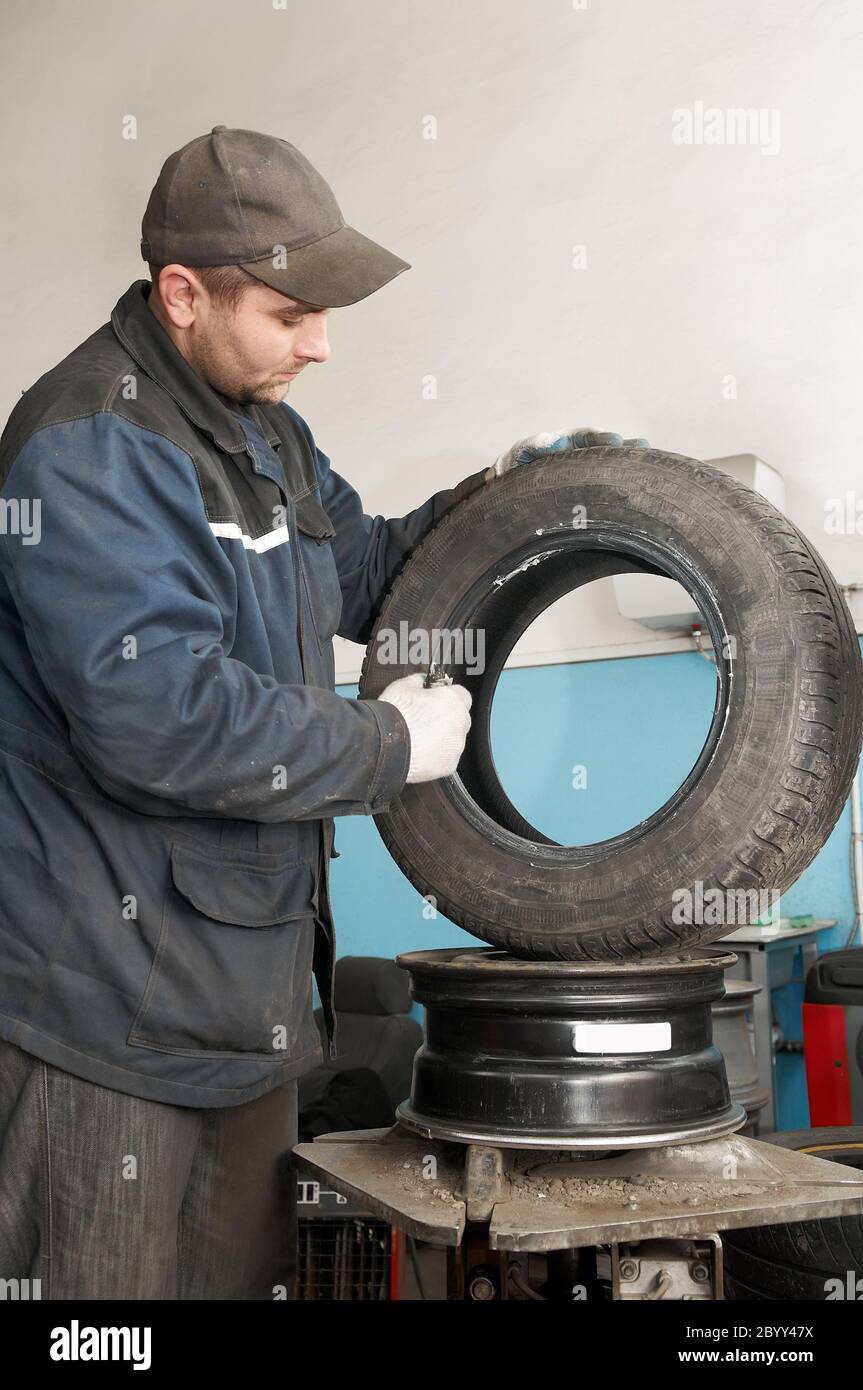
(552, 442)
(438, 723)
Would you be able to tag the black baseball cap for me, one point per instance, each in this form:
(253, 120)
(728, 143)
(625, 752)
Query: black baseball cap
(238, 197)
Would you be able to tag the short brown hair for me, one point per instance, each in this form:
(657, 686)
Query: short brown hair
(226, 284)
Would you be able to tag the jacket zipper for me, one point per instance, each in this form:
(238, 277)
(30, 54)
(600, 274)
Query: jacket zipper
(325, 908)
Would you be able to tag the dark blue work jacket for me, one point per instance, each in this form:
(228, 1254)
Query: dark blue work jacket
(172, 750)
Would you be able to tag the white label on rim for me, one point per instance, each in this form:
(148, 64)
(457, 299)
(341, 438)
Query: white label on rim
(621, 1037)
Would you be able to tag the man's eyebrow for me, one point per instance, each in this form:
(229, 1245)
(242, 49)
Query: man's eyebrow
(300, 308)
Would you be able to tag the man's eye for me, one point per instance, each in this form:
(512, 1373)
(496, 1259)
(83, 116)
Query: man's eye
(291, 323)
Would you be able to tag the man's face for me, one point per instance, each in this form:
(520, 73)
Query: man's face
(251, 353)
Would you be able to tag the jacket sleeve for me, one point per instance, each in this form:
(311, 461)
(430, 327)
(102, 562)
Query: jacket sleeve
(369, 551)
(128, 604)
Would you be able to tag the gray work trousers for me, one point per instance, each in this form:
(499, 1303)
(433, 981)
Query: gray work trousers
(107, 1196)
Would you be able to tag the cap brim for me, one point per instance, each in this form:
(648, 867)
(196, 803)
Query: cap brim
(338, 269)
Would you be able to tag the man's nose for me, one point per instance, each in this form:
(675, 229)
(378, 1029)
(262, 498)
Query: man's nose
(312, 342)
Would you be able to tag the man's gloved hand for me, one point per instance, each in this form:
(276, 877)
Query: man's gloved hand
(438, 723)
(526, 450)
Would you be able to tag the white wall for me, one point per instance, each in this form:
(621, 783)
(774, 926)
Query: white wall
(554, 129)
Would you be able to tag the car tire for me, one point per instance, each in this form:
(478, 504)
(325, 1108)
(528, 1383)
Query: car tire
(777, 764)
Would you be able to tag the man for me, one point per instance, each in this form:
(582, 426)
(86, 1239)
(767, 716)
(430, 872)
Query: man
(172, 750)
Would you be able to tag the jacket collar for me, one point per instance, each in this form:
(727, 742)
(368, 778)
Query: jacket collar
(145, 339)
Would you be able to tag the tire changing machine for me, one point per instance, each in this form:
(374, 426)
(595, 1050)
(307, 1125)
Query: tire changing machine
(570, 1132)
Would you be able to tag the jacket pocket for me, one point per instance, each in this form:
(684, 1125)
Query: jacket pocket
(231, 975)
